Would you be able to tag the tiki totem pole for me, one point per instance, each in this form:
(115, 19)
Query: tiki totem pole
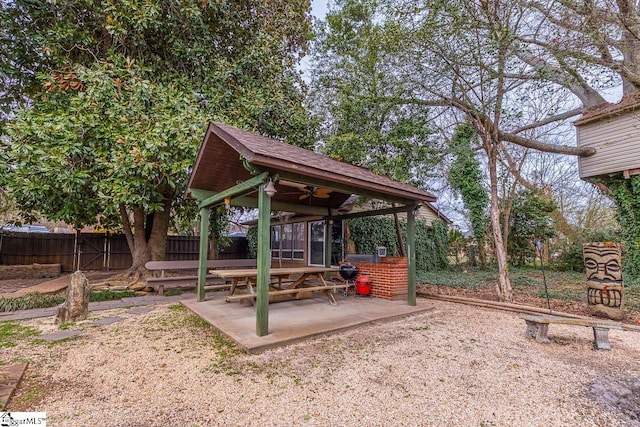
(603, 263)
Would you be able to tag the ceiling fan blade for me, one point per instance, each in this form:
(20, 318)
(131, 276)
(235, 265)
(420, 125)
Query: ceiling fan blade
(324, 191)
(304, 196)
(321, 196)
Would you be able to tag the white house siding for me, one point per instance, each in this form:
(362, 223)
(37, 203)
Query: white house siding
(617, 143)
(424, 213)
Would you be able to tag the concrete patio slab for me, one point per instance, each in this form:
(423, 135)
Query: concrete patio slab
(293, 321)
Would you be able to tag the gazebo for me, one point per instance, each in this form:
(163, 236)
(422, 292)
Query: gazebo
(240, 168)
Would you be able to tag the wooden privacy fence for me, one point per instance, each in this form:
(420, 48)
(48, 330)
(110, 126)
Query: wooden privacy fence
(96, 251)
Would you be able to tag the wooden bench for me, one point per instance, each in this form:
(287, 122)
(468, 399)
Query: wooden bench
(191, 281)
(538, 326)
(294, 293)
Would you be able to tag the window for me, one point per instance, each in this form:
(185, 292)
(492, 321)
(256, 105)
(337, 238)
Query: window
(287, 241)
(297, 237)
(276, 238)
(316, 243)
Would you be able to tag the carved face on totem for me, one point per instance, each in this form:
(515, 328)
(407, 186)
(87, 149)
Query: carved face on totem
(602, 261)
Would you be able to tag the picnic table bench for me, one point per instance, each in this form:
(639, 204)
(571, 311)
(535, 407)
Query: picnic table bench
(538, 326)
(182, 281)
(297, 288)
(293, 293)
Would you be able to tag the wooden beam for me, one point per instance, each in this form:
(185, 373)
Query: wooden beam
(631, 172)
(386, 211)
(252, 202)
(411, 254)
(264, 262)
(342, 188)
(203, 253)
(199, 194)
(240, 189)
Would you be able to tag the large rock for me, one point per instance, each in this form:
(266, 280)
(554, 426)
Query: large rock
(76, 307)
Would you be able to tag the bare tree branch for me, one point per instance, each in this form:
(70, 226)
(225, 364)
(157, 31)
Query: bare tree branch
(551, 119)
(549, 148)
(587, 95)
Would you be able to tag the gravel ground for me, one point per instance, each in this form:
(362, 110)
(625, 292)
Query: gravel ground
(455, 366)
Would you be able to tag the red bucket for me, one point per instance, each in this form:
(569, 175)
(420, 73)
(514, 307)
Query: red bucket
(363, 285)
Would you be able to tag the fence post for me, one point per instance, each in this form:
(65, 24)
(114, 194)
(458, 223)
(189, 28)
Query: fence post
(105, 252)
(76, 252)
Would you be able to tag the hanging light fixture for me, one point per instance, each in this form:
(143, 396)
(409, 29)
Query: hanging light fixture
(270, 189)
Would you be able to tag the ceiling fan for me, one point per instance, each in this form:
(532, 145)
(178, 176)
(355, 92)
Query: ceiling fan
(320, 193)
(308, 191)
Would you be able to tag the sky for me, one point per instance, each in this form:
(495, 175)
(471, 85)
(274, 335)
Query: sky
(319, 8)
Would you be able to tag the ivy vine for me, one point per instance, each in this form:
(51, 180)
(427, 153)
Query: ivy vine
(626, 195)
(465, 177)
(432, 242)
(252, 241)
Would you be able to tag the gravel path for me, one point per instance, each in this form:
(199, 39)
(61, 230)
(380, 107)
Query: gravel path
(455, 366)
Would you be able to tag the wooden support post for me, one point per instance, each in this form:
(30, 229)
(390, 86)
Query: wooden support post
(327, 245)
(264, 262)
(203, 253)
(411, 254)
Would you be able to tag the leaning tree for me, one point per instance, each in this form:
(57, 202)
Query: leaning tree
(486, 63)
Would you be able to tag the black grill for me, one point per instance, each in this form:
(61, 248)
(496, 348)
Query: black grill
(348, 271)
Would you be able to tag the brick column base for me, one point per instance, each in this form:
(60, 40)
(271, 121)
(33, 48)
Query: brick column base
(389, 278)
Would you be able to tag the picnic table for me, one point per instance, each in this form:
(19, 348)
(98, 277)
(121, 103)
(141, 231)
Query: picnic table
(283, 283)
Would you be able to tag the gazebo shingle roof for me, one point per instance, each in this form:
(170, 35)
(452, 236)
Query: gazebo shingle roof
(218, 166)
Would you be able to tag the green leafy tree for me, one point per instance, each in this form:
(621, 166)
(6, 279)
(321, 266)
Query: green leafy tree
(465, 178)
(530, 221)
(119, 94)
(352, 95)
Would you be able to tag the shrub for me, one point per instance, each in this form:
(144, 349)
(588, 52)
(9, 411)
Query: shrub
(37, 300)
(432, 242)
(29, 301)
(570, 257)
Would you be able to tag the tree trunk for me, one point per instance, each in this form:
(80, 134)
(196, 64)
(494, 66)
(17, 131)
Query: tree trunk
(505, 292)
(482, 253)
(149, 244)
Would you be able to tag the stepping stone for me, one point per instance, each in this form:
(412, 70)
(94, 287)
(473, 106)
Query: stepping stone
(139, 310)
(10, 376)
(107, 320)
(57, 336)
